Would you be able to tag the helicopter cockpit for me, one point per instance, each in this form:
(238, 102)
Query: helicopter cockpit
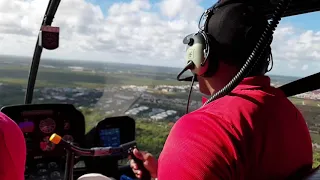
(63, 144)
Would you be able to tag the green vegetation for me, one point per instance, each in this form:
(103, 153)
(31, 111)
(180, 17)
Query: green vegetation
(65, 77)
(91, 117)
(151, 136)
(316, 159)
(304, 102)
(315, 138)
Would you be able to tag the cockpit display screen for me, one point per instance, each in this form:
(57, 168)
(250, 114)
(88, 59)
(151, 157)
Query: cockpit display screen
(26, 127)
(110, 137)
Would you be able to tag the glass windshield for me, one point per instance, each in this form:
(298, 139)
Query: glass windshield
(122, 58)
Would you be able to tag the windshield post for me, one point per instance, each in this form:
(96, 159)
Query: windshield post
(47, 21)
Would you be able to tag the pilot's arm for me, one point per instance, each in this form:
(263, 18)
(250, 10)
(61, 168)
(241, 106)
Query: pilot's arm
(199, 147)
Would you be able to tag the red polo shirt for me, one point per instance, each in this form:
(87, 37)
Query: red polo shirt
(12, 150)
(253, 133)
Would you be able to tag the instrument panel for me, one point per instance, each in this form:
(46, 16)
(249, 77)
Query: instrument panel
(38, 122)
(38, 125)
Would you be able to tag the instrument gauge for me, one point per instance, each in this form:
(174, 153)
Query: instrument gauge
(42, 171)
(53, 165)
(66, 125)
(46, 145)
(47, 125)
(40, 166)
(55, 174)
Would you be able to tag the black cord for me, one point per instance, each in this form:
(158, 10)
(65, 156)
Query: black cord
(270, 60)
(190, 91)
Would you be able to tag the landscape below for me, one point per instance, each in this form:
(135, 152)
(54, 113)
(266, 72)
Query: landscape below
(149, 94)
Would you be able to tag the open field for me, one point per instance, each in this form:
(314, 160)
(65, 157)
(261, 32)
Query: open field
(54, 73)
(305, 102)
(48, 77)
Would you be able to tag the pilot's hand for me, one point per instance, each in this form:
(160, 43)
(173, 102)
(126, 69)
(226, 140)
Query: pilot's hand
(149, 162)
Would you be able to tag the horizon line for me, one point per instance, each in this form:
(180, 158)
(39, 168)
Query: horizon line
(100, 61)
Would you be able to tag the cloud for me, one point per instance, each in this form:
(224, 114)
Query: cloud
(305, 67)
(129, 32)
(183, 9)
(291, 44)
(291, 66)
(138, 31)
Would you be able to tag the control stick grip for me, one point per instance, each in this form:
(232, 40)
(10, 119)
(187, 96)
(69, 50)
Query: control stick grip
(145, 173)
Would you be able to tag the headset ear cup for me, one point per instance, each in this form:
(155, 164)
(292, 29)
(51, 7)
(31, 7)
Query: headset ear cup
(196, 53)
(212, 62)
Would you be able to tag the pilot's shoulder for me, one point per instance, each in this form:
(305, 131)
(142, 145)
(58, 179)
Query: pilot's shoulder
(3, 117)
(199, 120)
(5, 121)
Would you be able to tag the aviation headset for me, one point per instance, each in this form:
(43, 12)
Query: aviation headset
(199, 44)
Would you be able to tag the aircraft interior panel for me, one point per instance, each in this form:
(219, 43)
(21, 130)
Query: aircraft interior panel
(45, 160)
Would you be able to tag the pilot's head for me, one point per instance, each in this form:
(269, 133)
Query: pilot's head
(233, 31)
(12, 150)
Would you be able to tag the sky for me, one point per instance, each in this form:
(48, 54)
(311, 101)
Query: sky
(143, 32)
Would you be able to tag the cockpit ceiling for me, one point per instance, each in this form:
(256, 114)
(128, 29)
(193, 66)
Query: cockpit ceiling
(296, 7)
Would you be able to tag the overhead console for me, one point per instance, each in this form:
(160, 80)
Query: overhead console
(38, 121)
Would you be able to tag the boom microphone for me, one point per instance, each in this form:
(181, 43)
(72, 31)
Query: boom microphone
(189, 66)
(96, 151)
(189, 79)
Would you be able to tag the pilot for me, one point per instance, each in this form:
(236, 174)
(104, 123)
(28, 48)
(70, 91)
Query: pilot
(12, 150)
(254, 132)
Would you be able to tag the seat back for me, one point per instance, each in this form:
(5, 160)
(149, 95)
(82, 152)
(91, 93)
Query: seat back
(12, 150)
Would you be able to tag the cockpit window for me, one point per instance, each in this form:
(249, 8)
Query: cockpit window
(122, 58)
